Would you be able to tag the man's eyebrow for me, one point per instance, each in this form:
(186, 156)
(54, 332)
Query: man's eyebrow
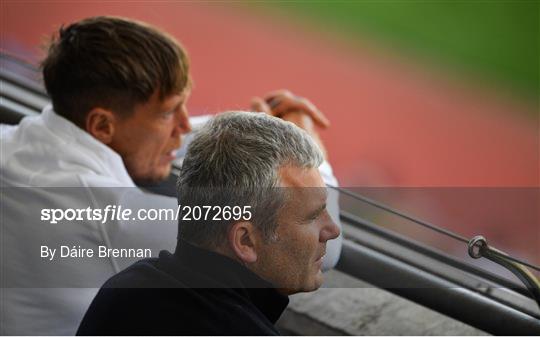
(317, 212)
(177, 105)
(174, 107)
(185, 93)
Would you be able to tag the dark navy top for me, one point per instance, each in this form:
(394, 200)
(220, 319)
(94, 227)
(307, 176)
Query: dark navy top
(191, 292)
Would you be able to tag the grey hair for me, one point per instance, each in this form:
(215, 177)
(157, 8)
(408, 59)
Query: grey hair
(234, 160)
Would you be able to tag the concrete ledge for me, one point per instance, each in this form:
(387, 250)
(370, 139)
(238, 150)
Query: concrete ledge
(348, 306)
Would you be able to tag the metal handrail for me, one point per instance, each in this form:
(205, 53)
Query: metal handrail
(436, 293)
(477, 246)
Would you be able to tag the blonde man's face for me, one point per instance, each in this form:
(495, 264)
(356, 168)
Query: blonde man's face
(148, 139)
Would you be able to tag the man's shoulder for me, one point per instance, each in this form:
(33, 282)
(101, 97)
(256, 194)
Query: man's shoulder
(48, 150)
(145, 273)
(168, 311)
(131, 302)
(148, 298)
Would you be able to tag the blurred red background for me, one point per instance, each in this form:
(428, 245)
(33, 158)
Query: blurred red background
(394, 122)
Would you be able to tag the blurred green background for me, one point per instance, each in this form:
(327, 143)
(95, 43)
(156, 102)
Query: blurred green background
(495, 42)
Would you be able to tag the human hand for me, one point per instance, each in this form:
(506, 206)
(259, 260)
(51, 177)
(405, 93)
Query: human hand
(280, 103)
(295, 109)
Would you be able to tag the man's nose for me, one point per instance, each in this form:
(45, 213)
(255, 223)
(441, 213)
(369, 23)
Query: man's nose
(183, 125)
(330, 231)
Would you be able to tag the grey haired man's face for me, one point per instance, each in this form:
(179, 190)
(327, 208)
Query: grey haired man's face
(293, 261)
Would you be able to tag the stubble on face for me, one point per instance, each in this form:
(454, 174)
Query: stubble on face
(293, 261)
(147, 140)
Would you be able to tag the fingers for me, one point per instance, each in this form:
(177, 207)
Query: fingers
(259, 105)
(282, 101)
(278, 93)
(304, 106)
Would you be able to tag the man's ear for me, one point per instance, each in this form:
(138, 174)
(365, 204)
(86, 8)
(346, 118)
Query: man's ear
(243, 239)
(100, 123)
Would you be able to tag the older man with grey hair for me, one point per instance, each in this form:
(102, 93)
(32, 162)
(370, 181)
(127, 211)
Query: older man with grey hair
(253, 230)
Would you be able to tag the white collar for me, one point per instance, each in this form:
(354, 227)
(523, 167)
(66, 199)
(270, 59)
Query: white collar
(109, 161)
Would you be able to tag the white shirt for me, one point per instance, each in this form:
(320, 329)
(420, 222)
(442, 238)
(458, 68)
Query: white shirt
(47, 162)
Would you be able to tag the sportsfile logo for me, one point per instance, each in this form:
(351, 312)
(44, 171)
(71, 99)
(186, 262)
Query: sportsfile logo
(119, 213)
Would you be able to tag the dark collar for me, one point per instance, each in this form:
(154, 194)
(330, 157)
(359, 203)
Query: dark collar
(214, 270)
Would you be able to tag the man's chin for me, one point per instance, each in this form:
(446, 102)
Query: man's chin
(306, 288)
(318, 282)
(153, 178)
